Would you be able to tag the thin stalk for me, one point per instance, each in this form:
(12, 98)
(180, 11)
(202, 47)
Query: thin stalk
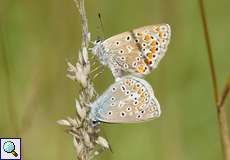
(219, 101)
(210, 53)
(86, 139)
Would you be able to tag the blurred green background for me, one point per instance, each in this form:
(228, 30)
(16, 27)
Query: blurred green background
(36, 38)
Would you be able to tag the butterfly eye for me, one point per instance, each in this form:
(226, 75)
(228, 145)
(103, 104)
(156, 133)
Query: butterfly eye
(136, 40)
(127, 92)
(112, 104)
(142, 111)
(117, 43)
(110, 113)
(98, 41)
(112, 98)
(121, 51)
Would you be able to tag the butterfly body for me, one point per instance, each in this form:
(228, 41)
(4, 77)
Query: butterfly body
(128, 100)
(137, 51)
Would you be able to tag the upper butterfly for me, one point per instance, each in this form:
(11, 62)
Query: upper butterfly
(137, 51)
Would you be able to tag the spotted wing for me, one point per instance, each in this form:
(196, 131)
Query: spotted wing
(140, 50)
(128, 100)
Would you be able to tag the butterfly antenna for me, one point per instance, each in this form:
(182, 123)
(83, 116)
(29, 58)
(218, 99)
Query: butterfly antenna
(102, 26)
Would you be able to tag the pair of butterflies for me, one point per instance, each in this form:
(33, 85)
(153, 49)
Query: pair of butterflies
(130, 99)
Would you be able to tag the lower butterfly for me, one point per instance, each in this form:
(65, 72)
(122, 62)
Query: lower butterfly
(137, 51)
(128, 100)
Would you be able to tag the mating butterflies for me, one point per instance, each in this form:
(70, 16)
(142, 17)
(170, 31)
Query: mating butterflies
(128, 100)
(137, 51)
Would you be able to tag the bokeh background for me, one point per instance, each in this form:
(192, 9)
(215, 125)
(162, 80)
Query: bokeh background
(36, 39)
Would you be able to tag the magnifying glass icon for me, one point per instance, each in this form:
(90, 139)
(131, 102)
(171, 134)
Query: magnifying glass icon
(9, 147)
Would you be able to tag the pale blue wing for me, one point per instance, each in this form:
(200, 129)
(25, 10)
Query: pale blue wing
(128, 100)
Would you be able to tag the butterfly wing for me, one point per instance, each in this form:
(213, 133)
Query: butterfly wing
(140, 50)
(128, 100)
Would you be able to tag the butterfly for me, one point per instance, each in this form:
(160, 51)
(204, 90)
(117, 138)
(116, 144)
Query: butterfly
(137, 51)
(128, 100)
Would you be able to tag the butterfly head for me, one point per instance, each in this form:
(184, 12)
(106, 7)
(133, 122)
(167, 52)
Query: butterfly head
(99, 51)
(97, 46)
(98, 41)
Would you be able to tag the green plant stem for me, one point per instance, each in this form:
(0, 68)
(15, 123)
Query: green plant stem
(210, 53)
(222, 120)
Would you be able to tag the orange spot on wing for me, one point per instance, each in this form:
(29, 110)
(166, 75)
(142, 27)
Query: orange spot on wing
(147, 37)
(141, 68)
(148, 61)
(161, 34)
(154, 43)
(150, 55)
(134, 88)
(142, 95)
(158, 29)
(153, 49)
(139, 92)
(139, 34)
(141, 107)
